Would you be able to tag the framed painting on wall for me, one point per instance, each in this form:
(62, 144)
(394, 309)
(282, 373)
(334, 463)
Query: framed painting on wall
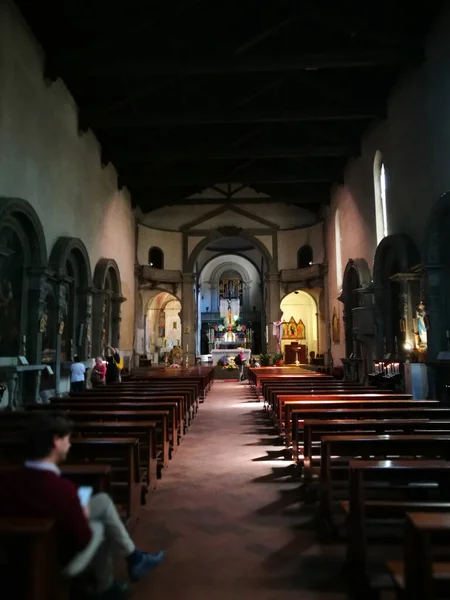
(335, 328)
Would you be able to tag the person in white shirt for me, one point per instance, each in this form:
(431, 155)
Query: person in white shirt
(77, 374)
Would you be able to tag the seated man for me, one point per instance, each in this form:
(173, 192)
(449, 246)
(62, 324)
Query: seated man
(86, 537)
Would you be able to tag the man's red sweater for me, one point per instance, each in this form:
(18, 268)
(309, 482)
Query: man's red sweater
(32, 493)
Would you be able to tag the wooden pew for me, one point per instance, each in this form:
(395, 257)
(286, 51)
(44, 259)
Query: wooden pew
(28, 566)
(315, 429)
(273, 388)
(130, 404)
(158, 418)
(419, 576)
(111, 394)
(288, 403)
(409, 411)
(371, 402)
(358, 508)
(144, 431)
(367, 446)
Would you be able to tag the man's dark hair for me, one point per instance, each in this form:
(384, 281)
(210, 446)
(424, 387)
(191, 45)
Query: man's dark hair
(41, 432)
(76, 358)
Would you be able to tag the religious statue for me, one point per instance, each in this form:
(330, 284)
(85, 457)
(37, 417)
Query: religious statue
(230, 316)
(422, 324)
(43, 322)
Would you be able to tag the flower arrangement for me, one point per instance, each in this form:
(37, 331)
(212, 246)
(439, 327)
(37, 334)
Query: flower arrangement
(227, 362)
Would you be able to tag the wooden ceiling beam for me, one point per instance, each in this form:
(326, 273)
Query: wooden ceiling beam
(235, 117)
(258, 152)
(240, 64)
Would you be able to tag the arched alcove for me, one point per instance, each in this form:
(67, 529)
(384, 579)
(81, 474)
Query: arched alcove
(73, 286)
(304, 257)
(356, 276)
(163, 323)
(299, 325)
(156, 257)
(395, 255)
(107, 305)
(228, 277)
(23, 260)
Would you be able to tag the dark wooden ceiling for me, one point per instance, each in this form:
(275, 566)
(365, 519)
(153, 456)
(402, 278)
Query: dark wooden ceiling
(274, 94)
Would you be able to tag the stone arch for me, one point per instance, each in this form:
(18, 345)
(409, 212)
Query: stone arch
(356, 276)
(304, 256)
(24, 213)
(103, 268)
(60, 254)
(107, 305)
(232, 253)
(214, 235)
(156, 257)
(309, 317)
(23, 263)
(436, 258)
(217, 272)
(70, 261)
(396, 254)
(397, 250)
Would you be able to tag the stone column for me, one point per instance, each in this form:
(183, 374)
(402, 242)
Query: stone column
(214, 297)
(246, 286)
(328, 357)
(188, 339)
(37, 293)
(116, 319)
(85, 320)
(273, 311)
(98, 300)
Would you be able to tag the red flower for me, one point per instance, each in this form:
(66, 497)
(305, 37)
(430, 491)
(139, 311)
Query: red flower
(244, 327)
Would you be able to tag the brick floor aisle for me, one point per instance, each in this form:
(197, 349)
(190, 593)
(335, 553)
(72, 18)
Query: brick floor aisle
(226, 514)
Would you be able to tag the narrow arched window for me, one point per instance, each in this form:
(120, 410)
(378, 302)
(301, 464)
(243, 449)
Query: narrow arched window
(156, 258)
(379, 178)
(337, 234)
(304, 257)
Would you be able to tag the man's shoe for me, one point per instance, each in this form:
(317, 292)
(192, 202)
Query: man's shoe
(144, 564)
(118, 591)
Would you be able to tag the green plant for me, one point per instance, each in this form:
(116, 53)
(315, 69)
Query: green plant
(278, 356)
(264, 360)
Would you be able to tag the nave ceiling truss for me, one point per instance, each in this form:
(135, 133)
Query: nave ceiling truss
(185, 94)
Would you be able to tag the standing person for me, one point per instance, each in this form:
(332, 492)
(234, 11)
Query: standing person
(114, 365)
(77, 373)
(98, 375)
(240, 362)
(87, 535)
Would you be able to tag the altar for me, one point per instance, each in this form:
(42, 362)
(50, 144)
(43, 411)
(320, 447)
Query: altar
(218, 354)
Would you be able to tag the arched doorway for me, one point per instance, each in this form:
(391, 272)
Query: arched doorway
(299, 331)
(229, 281)
(219, 242)
(163, 324)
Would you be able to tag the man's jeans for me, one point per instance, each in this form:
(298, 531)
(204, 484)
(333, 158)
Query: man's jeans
(109, 537)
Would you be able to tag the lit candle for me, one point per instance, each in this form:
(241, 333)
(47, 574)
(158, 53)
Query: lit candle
(447, 334)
